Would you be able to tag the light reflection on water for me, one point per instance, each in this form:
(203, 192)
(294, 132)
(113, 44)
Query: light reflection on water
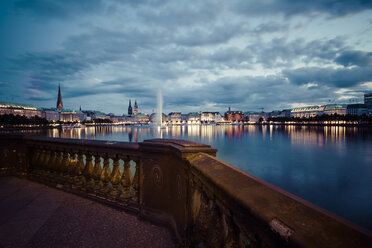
(328, 166)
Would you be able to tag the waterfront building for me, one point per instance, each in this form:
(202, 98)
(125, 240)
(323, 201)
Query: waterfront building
(331, 109)
(192, 118)
(307, 112)
(59, 99)
(130, 110)
(50, 115)
(253, 116)
(135, 108)
(234, 116)
(174, 118)
(68, 116)
(143, 118)
(368, 103)
(368, 100)
(19, 109)
(153, 118)
(210, 117)
(356, 109)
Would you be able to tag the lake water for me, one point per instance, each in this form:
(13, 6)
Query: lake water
(328, 166)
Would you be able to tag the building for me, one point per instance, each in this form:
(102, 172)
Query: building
(19, 109)
(174, 118)
(356, 109)
(192, 118)
(130, 110)
(368, 103)
(68, 116)
(135, 108)
(307, 112)
(332, 109)
(210, 117)
(368, 100)
(143, 118)
(59, 99)
(253, 116)
(234, 116)
(50, 115)
(154, 120)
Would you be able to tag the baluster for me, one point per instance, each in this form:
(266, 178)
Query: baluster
(115, 178)
(135, 183)
(64, 168)
(55, 168)
(79, 170)
(35, 164)
(43, 172)
(49, 156)
(97, 172)
(105, 175)
(72, 170)
(88, 171)
(126, 179)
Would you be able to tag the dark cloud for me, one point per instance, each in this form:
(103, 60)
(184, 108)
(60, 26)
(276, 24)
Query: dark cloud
(58, 9)
(344, 77)
(302, 7)
(356, 58)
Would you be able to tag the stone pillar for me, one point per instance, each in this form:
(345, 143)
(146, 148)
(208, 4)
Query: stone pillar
(164, 181)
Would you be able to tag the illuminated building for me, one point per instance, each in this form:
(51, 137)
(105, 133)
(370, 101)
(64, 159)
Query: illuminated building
(192, 118)
(210, 117)
(19, 109)
(174, 118)
(143, 118)
(331, 109)
(234, 116)
(307, 112)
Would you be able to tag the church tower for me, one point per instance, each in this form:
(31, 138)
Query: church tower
(59, 101)
(130, 111)
(135, 108)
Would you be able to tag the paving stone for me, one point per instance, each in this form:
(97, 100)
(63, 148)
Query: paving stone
(35, 215)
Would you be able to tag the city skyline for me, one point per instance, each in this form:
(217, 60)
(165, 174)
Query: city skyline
(205, 56)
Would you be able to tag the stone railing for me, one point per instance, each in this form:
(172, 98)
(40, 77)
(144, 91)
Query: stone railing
(207, 202)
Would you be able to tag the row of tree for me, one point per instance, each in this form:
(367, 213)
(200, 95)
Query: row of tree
(10, 119)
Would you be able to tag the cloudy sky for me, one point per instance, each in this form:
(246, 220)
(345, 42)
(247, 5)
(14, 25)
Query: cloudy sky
(204, 55)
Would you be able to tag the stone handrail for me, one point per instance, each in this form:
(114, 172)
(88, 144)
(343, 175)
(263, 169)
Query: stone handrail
(207, 202)
(232, 208)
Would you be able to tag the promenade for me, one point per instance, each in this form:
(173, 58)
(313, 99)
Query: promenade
(34, 215)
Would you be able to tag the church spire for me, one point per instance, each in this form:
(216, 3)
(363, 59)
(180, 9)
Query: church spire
(130, 111)
(59, 101)
(135, 108)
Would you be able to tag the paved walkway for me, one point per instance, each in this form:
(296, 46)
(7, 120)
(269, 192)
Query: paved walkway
(33, 215)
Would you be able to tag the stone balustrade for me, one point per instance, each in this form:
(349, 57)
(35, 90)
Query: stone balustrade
(206, 202)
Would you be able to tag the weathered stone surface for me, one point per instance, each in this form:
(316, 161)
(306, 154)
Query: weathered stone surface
(33, 215)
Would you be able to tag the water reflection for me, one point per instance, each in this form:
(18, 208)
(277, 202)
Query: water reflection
(329, 166)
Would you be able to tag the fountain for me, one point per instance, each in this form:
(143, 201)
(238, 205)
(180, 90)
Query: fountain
(159, 109)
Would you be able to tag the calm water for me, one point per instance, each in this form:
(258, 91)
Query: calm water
(328, 166)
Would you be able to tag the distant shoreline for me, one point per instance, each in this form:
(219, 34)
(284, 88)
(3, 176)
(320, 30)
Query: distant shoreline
(68, 126)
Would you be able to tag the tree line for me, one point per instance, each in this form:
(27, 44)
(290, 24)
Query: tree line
(10, 119)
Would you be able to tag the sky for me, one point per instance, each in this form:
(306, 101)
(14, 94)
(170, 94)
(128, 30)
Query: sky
(203, 55)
